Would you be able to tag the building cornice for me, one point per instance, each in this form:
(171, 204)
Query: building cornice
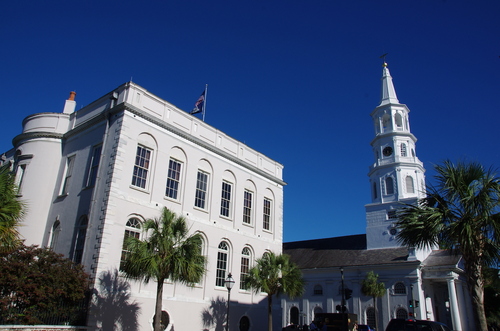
(122, 107)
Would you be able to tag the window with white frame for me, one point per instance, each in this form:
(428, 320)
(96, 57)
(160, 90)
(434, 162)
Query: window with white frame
(247, 207)
(141, 166)
(266, 224)
(222, 264)
(389, 185)
(173, 179)
(318, 290)
(81, 233)
(410, 188)
(403, 149)
(70, 161)
(200, 198)
(20, 172)
(56, 230)
(132, 230)
(225, 202)
(94, 165)
(245, 267)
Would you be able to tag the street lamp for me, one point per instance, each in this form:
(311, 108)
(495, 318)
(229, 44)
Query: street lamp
(229, 282)
(344, 319)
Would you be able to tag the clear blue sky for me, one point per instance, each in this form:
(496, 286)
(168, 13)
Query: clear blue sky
(293, 79)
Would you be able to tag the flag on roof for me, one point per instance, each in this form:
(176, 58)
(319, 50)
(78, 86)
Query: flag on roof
(199, 104)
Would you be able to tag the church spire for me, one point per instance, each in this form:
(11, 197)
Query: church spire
(396, 174)
(388, 94)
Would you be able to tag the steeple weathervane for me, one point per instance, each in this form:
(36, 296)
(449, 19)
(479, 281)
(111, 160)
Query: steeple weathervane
(383, 59)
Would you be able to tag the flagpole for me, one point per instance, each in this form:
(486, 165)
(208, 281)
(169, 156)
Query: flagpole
(205, 103)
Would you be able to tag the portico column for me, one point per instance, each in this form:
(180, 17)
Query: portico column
(455, 314)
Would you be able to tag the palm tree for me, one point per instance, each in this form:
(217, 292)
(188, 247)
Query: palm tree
(460, 213)
(372, 288)
(167, 252)
(275, 274)
(11, 210)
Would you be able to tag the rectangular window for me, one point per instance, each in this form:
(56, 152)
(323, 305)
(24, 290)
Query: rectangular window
(173, 179)
(245, 267)
(94, 165)
(201, 190)
(267, 214)
(247, 207)
(225, 205)
(125, 253)
(67, 177)
(141, 167)
(392, 214)
(221, 269)
(21, 171)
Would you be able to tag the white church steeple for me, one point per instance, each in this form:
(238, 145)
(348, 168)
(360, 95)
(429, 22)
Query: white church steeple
(388, 94)
(396, 175)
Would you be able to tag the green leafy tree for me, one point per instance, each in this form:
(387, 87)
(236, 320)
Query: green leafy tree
(370, 287)
(11, 210)
(460, 213)
(167, 252)
(275, 274)
(38, 286)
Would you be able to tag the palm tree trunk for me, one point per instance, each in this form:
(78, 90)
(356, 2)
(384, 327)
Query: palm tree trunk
(375, 312)
(476, 290)
(159, 298)
(269, 312)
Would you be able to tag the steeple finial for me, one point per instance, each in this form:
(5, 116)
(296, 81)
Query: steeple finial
(388, 94)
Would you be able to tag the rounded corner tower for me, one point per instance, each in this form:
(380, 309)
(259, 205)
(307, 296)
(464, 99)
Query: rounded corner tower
(396, 175)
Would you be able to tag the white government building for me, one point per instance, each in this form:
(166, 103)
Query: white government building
(434, 278)
(92, 175)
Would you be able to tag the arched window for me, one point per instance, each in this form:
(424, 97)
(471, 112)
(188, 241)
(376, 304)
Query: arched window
(132, 229)
(401, 313)
(317, 310)
(318, 290)
(403, 150)
(370, 316)
(81, 233)
(399, 288)
(389, 185)
(410, 188)
(375, 195)
(294, 315)
(399, 120)
(222, 264)
(386, 122)
(245, 266)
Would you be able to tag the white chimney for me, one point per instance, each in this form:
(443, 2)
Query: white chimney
(70, 105)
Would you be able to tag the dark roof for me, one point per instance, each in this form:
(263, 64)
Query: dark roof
(442, 258)
(341, 251)
(357, 241)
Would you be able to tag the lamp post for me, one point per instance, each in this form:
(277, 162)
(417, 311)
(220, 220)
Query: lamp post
(344, 319)
(229, 282)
